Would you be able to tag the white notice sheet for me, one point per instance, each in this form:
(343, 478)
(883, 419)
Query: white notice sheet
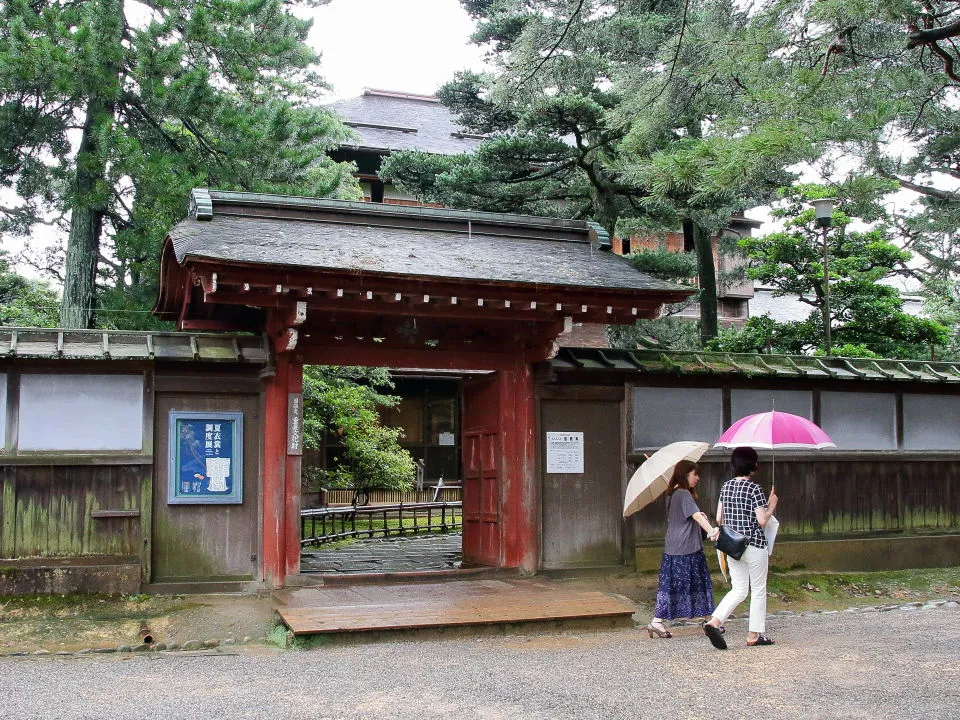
(565, 452)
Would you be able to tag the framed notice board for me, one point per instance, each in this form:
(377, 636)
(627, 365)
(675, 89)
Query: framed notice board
(205, 458)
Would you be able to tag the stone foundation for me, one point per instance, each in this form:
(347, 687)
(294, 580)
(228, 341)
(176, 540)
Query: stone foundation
(62, 576)
(841, 555)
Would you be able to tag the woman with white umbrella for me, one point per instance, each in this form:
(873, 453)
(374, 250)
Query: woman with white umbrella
(684, 589)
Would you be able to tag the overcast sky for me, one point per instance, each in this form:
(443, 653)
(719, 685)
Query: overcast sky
(411, 45)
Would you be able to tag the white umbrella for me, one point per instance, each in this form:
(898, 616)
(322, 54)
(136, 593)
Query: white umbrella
(651, 479)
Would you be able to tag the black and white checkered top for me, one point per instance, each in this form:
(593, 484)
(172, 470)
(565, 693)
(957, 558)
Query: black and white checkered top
(740, 498)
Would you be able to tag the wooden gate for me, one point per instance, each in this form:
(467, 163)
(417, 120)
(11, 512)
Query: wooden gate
(582, 523)
(204, 543)
(482, 469)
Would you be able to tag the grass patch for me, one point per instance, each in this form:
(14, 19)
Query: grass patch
(92, 608)
(803, 590)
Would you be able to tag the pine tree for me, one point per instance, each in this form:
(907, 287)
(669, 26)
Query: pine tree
(880, 80)
(111, 111)
(629, 113)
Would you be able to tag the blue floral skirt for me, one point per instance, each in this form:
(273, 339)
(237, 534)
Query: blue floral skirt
(685, 589)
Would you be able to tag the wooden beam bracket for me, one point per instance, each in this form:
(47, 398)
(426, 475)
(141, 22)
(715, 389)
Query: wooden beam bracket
(287, 340)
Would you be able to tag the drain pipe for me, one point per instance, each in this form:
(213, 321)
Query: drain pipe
(146, 636)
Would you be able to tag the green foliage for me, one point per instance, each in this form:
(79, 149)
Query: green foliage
(25, 302)
(342, 402)
(852, 350)
(866, 315)
(754, 336)
(666, 333)
(664, 264)
(189, 94)
(878, 81)
(681, 113)
(942, 304)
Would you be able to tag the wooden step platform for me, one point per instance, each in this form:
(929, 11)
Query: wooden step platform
(376, 608)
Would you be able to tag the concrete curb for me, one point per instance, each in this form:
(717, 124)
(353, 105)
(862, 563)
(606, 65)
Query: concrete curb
(190, 646)
(949, 604)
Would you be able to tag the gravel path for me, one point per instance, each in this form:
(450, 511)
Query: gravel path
(898, 664)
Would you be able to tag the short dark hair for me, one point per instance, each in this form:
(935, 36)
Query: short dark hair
(743, 461)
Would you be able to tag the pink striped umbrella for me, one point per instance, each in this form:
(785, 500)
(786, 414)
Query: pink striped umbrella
(774, 430)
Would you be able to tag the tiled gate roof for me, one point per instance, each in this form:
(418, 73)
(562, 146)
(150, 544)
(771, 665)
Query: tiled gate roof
(756, 365)
(131, 345)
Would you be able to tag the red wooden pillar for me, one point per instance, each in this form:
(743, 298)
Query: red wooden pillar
(520, 492)
(292, 495)
(274, 474)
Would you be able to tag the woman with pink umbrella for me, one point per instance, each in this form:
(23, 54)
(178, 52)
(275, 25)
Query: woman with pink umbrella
(744, 509)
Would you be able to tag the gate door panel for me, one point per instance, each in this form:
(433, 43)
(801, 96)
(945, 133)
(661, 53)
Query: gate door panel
(582, 513)
(482, 468)
(207, 542)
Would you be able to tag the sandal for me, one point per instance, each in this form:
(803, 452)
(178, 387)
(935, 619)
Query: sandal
(762, 640)
(653, 630)
(723, 630)
(715, 636)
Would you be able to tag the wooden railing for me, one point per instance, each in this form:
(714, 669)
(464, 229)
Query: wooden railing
(382, 497)
(329, 524)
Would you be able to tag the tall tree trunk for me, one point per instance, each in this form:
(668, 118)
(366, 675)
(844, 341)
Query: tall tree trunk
(89, 203)
(699, 238)
(86, 224)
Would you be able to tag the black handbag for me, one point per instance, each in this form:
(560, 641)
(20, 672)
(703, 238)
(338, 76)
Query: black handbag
(731, 542)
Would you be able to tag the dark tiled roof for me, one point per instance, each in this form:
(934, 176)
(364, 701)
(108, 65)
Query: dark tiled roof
(385, 121)
(753, 365)
(418, 242)
(127, 345)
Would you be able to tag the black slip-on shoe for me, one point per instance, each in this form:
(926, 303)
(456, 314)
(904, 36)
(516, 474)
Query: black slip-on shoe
(715, 636)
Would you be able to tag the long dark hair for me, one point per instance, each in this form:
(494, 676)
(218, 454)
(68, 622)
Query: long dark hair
(679, 478)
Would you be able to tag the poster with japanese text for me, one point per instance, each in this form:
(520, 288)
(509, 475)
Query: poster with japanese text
(206, 458)
(565, 452)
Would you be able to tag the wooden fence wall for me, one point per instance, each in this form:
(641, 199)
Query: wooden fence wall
(52, 511)
(824, 496)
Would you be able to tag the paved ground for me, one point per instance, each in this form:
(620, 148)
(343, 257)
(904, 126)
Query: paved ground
(898, 664)
(426, 552)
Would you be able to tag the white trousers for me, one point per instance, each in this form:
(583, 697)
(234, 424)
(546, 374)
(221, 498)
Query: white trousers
(749, 573)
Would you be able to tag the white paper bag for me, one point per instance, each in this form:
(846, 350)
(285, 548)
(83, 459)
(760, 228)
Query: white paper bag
(770, 533)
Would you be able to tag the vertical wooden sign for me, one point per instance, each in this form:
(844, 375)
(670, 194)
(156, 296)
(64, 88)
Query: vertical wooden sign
(295, 424)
